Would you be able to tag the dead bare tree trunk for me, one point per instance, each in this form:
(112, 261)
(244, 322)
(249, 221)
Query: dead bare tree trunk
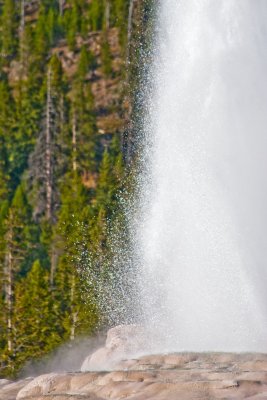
(61, 113)
(9, 290)
(53, 266)
(74, 313)
(128, 135)
(48, 148)
(107, 14)
(23, 59)
(22, 17)
(74, 142)
(129, 30)
(61, 4)
(13, 255)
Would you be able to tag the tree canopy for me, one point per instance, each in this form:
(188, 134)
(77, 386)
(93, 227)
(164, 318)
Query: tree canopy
(61, 167)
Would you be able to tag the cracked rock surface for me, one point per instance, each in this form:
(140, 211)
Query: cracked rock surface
(158, 377)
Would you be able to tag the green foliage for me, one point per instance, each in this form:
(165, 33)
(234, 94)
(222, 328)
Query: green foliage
(9, 24)
(4, 177)
(7, 133)
(47, 161)
(120, 18)
(87, 62)
(97, 11)
(71, 236)
(35, 313)
(41, 39)
(25, 233)
(110, 176)
(83, 125)
(121, 10)
(51, 150)
(72, 23)
(106, 56)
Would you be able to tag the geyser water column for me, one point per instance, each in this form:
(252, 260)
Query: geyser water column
(203, 239)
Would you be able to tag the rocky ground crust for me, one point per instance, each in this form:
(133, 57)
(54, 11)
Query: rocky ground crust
(157, 377)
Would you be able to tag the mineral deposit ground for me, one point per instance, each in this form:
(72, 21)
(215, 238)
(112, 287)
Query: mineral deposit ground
(159, 377)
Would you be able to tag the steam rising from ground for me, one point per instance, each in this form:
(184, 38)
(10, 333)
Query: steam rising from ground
(67, 358)
(202, 242)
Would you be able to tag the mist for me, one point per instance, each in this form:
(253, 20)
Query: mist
(202, 244)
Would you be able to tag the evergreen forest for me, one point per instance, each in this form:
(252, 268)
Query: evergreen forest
(66, 152)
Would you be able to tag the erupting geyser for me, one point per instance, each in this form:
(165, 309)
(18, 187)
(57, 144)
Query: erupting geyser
(203, 239)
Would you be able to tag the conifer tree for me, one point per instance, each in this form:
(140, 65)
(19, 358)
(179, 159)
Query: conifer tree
(47, 159)
(55, 253)
(52, 26)
(41, 39)
(2, 324)
(7, 129)
(106, 57)
(72, 238)
(36, 314)
(4, 178)
(72, 25)
(83, 123)
(25, 47)
(29, 107)
(110, 176)
(18, 240)
(121, 16)
(106, 202)
(9, 23)
(87, 62)
(97, 14)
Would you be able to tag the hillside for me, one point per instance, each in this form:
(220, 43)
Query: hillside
(65, 107)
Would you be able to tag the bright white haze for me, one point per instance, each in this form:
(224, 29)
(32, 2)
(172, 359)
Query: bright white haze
(204, 236)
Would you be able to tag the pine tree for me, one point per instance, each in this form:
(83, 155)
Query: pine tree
(105, 204)
(87, 62)
(47, 160)
(4, 178)
(72, 238)
(97, 14)
(41, 39)
(122, 18)
(7, 128)
(26, 45)
(83, 125)
(106, 57)
(72, 25)
(9, 23)
(35, 316)
(19, 236)
(55, 253)
(110, 176)
(52, 27)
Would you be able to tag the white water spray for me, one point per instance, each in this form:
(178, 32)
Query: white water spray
(204, 237)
